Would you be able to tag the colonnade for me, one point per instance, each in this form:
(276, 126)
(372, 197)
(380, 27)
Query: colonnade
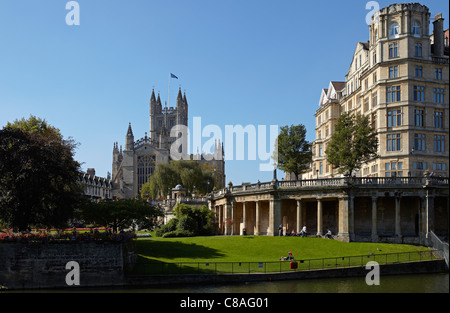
(375, 216)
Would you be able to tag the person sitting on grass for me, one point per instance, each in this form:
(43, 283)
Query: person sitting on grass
(290, 257)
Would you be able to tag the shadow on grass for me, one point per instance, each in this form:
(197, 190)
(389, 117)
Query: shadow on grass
(156, 256)
(161, 249)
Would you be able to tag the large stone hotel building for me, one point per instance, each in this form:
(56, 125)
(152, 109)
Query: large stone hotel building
(400, 79)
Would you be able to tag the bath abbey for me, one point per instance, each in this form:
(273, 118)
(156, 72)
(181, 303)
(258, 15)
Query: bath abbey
(134, 164)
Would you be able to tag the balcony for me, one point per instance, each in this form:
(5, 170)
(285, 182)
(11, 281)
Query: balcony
(440, 60)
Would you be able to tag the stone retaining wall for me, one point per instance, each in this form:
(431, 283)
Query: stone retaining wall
(38, 265)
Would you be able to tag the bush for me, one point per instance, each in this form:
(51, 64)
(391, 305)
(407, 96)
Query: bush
(187, 223)
(178, 233)
(166, 228)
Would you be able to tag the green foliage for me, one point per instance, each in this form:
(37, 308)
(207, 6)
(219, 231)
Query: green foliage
(293, 152)
(178, 233)
(120, 214)
(38, 175)
(187, 173)
(35, 125)
(191, 220)
(353, 143)
(167, 228)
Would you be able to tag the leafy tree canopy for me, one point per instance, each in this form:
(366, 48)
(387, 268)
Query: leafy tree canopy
(353, 143)
(187, 173)
(189, 221)
(120, 214)
(38, 175)
(293, 151)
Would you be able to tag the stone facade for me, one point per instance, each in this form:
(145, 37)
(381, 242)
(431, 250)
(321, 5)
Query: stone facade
(400, 79)
(378, 209)
(95, 187)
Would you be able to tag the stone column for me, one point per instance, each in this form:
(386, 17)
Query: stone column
(343, 233)
(422, 221)
(258, 219)
(244, 216)
(226, 216)
(221, 219)
(409, 24)
(274, 217)
(233, 217)
(299, 216)
(229, 215)
(429, 213)
(351, 217)
(319, 217)
(374, 219)
(398, 231)
(215, 210)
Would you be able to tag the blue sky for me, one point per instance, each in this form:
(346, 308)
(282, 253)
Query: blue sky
(241, 62)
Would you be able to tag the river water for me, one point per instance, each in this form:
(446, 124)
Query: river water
(420, 283)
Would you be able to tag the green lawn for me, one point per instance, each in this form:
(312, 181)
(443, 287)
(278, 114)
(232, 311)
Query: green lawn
(246, 253)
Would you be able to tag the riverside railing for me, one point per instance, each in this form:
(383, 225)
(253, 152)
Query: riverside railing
(143, 267)
(439, 245)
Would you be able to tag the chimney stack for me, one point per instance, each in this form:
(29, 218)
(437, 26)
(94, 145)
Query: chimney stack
(438, 35)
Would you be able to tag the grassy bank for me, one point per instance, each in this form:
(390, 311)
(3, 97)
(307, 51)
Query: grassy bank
(257, 249)
(261, 254)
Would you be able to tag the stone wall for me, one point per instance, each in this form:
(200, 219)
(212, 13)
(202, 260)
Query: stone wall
(37, 265)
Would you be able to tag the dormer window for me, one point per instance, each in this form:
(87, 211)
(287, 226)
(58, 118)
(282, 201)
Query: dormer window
(394, 30)
(416, 29)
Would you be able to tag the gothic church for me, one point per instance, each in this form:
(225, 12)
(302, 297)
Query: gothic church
(133, 166)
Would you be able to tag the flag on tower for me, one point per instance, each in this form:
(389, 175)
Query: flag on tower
(173, 76)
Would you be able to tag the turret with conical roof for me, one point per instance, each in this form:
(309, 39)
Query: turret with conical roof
(181, 118)
(129, 139)
(155, 108)
(158, 105)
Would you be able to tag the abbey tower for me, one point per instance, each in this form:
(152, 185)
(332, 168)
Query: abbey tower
(133, 166)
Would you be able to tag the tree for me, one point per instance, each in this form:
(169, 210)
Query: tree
(293, 154)
(187, 173)
(38, 175)
(162, 179)
(353, 143)
(199, 219)
(189, 221)
(120, 214)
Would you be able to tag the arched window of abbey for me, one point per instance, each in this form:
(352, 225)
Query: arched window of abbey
(145, 168)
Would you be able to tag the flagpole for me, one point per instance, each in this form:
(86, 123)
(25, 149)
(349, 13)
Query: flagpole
(170, 76)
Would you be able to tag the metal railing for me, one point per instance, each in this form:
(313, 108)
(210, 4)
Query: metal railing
(143, 267)
(440, 246)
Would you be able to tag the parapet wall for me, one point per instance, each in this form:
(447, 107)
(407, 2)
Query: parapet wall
(38, 265)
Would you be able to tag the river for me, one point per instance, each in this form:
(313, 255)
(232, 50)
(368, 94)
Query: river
(419, 283)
